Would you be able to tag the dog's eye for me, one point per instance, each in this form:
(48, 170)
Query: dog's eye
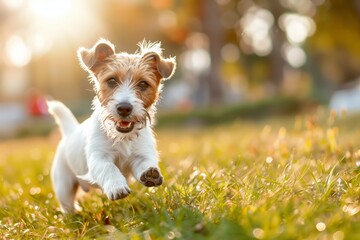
(112, 83)
(143, 85)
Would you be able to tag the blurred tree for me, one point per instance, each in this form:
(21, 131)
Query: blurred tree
(277, 62)
(336, 42)
(210, 15)
(332, 53)
(276, 31)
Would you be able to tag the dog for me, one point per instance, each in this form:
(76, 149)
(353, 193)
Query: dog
(117, 140)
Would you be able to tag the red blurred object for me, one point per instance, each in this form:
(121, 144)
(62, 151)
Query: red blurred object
(37, 105)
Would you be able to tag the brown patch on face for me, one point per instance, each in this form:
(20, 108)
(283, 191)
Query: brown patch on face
(123, 67)
(156, 69)
(109, 81)
(105, 93)
(149, 95)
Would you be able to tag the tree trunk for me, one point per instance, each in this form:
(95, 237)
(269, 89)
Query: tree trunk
(277, 63)
(210, 14)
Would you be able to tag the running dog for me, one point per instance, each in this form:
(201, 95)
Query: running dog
(117, 140)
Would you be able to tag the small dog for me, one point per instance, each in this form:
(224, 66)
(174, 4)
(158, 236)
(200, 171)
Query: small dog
(117, 140)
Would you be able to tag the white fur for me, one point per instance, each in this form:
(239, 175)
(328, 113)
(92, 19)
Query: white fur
(95, 154)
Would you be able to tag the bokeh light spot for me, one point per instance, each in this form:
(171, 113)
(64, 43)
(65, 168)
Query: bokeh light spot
(294, 55)
(17, 51)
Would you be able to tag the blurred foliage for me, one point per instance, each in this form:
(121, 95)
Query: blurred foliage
(332, 53)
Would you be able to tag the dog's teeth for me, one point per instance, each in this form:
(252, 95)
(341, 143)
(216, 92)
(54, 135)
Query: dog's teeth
(124, 124)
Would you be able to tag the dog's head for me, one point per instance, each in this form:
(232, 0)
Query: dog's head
(127, 85)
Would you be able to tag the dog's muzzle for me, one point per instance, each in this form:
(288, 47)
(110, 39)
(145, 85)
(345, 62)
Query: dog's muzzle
(124, 109)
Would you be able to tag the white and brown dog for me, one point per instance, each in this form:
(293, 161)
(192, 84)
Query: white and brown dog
(117, 140)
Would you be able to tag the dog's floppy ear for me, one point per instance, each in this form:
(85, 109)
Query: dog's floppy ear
(165, 67)
(98, 53)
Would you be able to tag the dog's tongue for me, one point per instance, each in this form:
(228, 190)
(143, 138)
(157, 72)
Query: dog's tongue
(124, 124)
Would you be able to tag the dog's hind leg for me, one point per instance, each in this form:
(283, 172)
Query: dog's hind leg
(64, 182)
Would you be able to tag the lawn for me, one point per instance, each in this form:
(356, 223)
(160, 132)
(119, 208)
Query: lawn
(280, 178)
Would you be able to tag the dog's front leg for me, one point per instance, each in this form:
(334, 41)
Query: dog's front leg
(103, 172)
(144, 161)
(146, 171)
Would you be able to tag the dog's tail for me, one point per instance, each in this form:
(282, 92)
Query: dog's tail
(63, 117)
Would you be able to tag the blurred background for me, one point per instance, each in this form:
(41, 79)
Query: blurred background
(231, 54)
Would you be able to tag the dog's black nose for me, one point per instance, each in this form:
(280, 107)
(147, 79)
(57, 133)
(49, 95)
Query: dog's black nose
(124, 109)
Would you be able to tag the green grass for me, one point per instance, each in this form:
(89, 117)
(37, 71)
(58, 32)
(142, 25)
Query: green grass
(293, 178)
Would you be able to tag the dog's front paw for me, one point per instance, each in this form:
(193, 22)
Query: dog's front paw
(116, 191)
(151, 177)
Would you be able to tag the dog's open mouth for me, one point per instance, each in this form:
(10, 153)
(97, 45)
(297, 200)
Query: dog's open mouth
(124, 126)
